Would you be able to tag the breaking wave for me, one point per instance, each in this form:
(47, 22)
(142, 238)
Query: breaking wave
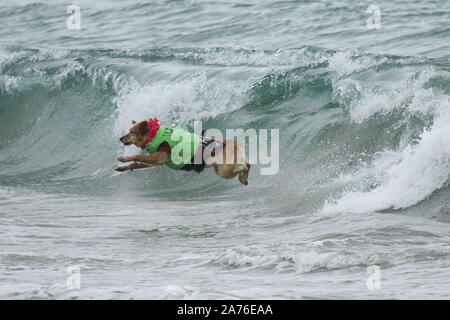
(358, 132)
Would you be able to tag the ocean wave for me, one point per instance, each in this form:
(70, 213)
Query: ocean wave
(365, 127)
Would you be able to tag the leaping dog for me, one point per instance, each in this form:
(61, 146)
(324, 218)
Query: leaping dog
(182, 150)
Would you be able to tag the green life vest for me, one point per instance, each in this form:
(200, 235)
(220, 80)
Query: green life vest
(179, 141)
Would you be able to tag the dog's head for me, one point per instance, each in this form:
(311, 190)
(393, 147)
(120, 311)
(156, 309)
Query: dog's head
(137, 134)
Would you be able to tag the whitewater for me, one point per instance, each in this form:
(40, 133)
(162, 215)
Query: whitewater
(363, 181)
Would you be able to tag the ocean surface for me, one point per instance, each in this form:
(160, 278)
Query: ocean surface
(364, 124)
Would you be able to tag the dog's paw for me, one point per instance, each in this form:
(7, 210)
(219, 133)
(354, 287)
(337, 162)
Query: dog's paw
(243, 180)
(120, 169)
(125, 159)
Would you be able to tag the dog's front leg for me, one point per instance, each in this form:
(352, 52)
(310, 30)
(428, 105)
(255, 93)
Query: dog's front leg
(133, 166)
(148, 165)
(158, 158)
(126, 159)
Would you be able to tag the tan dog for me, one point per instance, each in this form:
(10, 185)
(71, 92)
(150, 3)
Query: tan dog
(234, 152)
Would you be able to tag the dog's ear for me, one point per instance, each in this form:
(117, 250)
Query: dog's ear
(133, 122)
(143, 128)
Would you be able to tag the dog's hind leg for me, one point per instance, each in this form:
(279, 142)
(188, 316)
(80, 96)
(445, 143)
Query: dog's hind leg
(243, 175)
(229, 171)
(236, 166)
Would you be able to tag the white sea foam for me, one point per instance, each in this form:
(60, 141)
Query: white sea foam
(179, 102)
(343, 63)
(382, 94)
(410, 174)
(258, 58)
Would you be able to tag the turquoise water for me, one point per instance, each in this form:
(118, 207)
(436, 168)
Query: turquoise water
(364, 155)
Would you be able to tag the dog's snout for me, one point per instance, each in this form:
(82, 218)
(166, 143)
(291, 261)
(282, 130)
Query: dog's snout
(121, 139)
